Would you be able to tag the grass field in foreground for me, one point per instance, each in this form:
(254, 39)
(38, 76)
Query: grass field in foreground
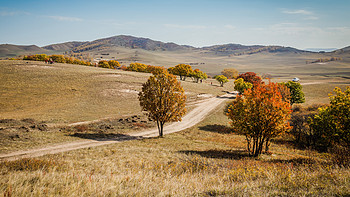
(200, 161)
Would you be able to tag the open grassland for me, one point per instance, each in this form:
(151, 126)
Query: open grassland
(59, 94)
(64, 93)
(201, 161)
(54, 96)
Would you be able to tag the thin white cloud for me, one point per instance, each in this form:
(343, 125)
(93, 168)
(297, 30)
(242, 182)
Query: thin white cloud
(12, 13)
(301, 11)
(65, 18)
(230, 27)
(185, 26)
(308, 15)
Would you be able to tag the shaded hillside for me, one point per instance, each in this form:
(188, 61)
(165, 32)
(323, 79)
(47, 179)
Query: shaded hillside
(67, 46)
(7, 50)
(343, 50)
(129, 42)
(237, 49)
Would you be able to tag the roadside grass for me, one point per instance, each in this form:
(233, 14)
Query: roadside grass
(201, 161)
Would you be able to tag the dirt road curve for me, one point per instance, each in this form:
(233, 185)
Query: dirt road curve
(192, 118)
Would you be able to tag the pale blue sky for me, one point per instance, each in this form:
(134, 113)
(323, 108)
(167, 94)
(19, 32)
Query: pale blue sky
(296, 23)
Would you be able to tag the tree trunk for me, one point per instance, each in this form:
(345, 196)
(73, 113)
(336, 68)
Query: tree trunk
(267, 145)
(161, 129)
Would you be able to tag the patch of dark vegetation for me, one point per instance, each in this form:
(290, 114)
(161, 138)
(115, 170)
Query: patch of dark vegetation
(104, 136)
(30, 164)
(220, 154)
(217, 128)
(118, 125)
(296, 161)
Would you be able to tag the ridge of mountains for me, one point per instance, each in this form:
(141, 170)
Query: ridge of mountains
(130, 42)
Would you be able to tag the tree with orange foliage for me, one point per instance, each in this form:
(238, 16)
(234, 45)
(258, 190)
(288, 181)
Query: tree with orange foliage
(260, 115)
(163, 97)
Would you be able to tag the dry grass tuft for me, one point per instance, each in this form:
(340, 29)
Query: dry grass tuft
(30, 164)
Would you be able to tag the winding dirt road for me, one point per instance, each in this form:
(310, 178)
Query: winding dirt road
(192, 118)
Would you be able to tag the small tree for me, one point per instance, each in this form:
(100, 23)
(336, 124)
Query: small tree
(113, 64)
(230, 73)
(198, 75)
(221, 79)
(333, 122)
(296, 92)
(250, 77)
(103, 64)
(163, 97)
(241, 85)
(182, 70)
(260, 115)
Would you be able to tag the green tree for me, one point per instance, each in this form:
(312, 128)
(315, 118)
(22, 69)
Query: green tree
(198, 75)
(296, 92)
(241, 85)
(221, 79)
(260, 115)
(230, 73)
(332, 123)
(163, 97)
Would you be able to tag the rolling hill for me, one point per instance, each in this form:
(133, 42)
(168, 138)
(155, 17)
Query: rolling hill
(10, 50)
(130, 42)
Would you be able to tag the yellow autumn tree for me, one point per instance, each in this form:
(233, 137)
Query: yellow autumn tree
(163, 97)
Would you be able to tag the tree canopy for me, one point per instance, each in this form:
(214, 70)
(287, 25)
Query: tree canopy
(163, 97)
(230, 73)
(250, 77)
(332, 123)
(221, 79)
(241, 85)
(260, 115)
(198, 75)
(296, 92)
(182, 70)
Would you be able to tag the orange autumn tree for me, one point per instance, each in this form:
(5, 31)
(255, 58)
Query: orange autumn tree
(163, 97)
(260, 114)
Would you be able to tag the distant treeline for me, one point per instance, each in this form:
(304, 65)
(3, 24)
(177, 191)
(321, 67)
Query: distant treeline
(181, 70)
(56, 58)
(321, 60)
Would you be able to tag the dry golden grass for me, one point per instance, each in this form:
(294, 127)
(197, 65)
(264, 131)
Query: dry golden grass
(64, 93)
(195, 162)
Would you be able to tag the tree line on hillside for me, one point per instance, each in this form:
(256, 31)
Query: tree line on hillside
(323, 60)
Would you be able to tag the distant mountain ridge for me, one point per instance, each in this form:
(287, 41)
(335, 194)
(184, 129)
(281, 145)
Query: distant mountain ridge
(8, 50)
(131, 42)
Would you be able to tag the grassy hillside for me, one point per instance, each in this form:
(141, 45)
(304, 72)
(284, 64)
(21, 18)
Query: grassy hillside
(70, 93)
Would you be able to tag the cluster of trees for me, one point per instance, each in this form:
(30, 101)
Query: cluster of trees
(112, 64)
(324, 60)
(139, 67)
(56, 58)
(184, 70)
